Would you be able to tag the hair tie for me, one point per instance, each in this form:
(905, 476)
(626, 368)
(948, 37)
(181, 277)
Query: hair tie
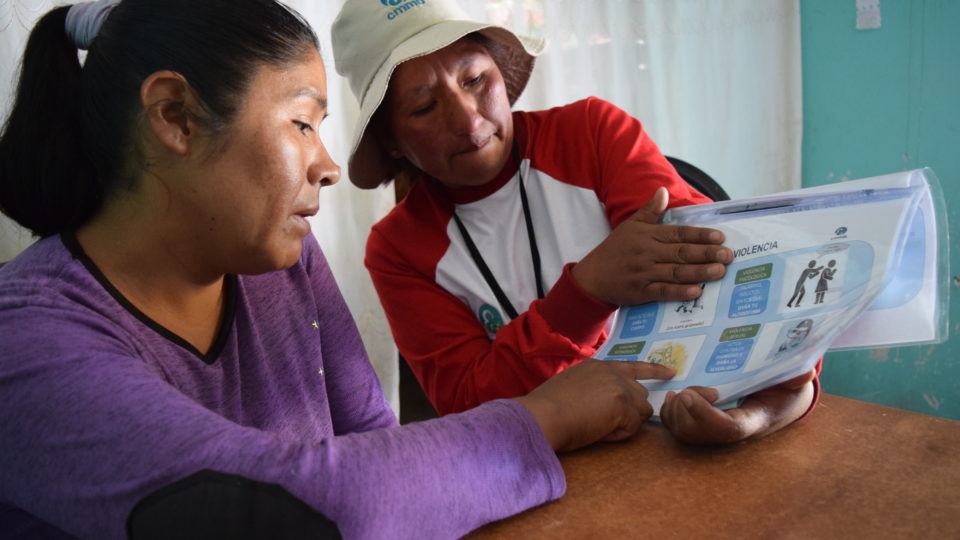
(85, 19)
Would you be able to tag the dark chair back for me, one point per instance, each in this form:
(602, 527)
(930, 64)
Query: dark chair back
(700, 180)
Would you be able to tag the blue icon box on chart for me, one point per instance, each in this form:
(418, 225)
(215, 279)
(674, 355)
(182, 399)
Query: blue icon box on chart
(729, 356)
(749, 299)
(639, 321)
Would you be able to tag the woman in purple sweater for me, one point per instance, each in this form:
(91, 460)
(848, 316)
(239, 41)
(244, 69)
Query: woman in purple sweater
(175, 357)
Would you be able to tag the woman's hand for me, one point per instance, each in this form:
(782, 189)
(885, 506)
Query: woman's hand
(593, 401)
(642, 261)
(692, 418)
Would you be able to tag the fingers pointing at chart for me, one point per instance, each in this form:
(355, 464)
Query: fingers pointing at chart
(593, 401)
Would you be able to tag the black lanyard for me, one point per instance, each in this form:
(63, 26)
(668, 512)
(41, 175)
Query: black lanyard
(534, 251)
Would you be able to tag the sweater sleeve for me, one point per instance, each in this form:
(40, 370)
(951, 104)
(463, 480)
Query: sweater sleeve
(88, 431)
(357, 402)
(449, 350)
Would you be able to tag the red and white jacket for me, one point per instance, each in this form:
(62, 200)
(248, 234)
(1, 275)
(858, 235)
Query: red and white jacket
(586, 167)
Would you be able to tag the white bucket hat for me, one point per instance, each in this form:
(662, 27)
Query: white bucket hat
(372, 37)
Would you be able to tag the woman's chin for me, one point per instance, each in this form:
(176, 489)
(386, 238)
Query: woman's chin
(275, 258)
(289, 257)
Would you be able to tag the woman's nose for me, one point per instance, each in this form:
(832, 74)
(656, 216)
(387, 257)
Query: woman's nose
(323, 170)
(464, 114)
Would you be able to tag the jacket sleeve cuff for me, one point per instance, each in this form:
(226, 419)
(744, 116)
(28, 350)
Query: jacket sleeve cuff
(572, 312)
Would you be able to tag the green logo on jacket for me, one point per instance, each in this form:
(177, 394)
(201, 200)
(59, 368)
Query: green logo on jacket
(491, 318)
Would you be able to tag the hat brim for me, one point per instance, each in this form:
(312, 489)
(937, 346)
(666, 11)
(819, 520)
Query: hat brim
(369, 165)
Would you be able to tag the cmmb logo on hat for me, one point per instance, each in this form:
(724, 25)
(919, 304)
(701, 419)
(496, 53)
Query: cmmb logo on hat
(400, 7)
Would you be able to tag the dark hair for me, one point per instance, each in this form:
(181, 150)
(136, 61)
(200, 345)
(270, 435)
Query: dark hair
(69, 139)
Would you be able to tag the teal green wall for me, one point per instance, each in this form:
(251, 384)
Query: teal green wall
(879, 101)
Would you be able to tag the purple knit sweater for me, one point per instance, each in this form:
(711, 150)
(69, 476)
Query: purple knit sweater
(101, 407)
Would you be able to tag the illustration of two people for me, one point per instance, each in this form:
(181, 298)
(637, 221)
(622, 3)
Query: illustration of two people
(810, 272)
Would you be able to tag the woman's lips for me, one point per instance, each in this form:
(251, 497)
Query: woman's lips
(301, 218)
(476, 145)
(301, 223)
(307, 212)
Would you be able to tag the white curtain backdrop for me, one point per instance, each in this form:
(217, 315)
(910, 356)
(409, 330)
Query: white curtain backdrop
(715, 82)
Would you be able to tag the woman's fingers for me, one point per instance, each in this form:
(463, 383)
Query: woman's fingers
(696, 254)
(686, 234)
(692, 418)
(664, 292)
(631, 424)
(594, 400)
(642, 370)
(706, 423)
(707, 393)
(686, 273)
(655, 207)
(638, 261)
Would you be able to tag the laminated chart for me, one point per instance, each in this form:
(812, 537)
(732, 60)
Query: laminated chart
(806, 266)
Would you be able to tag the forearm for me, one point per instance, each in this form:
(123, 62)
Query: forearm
(444, 477)
(782, 410)
(448, 475)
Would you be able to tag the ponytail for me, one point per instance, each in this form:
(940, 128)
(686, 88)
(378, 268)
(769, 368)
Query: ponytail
(71, 142)
(46, 183)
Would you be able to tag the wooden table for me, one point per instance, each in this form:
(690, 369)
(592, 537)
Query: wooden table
(850, 470)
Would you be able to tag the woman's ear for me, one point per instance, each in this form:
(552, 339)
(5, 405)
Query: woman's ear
(383, 136)
(168, 100)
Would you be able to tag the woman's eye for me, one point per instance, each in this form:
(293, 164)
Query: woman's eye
(425, 109)
(475, 80)
(303, 126)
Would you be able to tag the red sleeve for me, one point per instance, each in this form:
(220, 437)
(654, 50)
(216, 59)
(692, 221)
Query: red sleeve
(632, 165)
(594, 144)
(448, 349)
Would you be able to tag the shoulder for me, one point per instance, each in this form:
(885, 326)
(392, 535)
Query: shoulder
(50, 302)
(47, 274)
(570, 143)
(573, 130)
(43, 262)
(572, 118)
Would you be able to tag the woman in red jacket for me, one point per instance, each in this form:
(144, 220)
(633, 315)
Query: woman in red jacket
(523, 231)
